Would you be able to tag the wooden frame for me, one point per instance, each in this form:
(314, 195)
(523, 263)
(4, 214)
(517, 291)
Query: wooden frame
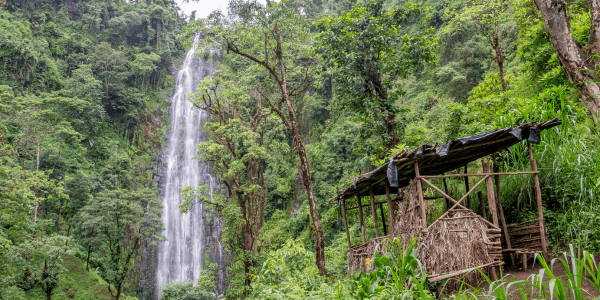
(492, 184)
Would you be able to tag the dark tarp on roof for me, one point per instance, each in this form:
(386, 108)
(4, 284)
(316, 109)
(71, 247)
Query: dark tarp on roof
(448, 157)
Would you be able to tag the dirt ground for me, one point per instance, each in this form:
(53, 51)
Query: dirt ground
(518, 273)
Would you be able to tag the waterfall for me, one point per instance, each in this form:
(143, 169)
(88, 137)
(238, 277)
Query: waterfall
(182, 256)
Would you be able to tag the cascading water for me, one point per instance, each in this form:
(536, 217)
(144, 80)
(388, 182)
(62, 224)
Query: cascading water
(182, 256)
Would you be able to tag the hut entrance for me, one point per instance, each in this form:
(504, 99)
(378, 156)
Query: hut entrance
(459, 239)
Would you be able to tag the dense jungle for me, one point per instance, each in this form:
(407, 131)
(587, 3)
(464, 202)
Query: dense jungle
(305, 96)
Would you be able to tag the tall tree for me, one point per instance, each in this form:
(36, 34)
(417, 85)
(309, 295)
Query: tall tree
(369, 48)
(488, 17)
(580, 63)
(124, 221)
(276, 39)
(243, 135)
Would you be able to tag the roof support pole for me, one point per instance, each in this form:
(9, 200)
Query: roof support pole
(374, 212)
(390, 207)
(501, 211)
(346, 222)
(382, 219)
(468, 202)
(420, 193)
(481, 205)
(538, 195)
(489, 187)
(362, 220)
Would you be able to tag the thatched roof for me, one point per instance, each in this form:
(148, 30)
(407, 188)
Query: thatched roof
(450, 156)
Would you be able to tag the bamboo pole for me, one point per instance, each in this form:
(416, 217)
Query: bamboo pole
(362, 220)
(346, 223)
(467, 187)
(374, 212)
(390, 207)
(489, 187)
(501, 211)
(420, 193)
(383, 219)
(538, 195)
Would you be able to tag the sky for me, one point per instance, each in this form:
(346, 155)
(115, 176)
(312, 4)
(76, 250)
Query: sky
(204, 7)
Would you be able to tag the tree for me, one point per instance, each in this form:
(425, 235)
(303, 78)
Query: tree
(368, 49)
(580, 62)
(488, 16)
(276, 40)
(243, 135)
(110, 64)
(124, 221)
(39, 262)
(184, 291)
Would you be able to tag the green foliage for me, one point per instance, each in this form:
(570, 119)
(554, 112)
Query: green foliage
(185, 291)
(122, 220)
(369, 48)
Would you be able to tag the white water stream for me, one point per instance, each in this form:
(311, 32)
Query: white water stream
(182, 256)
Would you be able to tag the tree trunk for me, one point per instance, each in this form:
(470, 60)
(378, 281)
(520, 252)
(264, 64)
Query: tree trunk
(498, 53)
(304, 163)
(568, 51)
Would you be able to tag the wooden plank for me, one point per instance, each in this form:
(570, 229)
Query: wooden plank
(489, 187)
(362, 220)
(437, 278)
(538, 196)
(390, 207)
(421, 201)
(374, 212)
(530, 221)
(346, 222)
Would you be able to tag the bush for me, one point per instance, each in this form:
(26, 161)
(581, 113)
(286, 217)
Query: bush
(185, 291)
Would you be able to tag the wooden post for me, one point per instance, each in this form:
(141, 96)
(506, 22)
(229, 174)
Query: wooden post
(481, 205)
(390, 207)
(524, 261)
(468, 203)
(440, 290)
(362, 220)
(374, 212)
(382, 219)
(489, 187)
(420, 193)
(538, 195)
(346, 222)
(501, 211)
(446, 190)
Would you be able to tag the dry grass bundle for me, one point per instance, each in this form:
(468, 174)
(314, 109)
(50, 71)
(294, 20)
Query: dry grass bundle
(457, 242)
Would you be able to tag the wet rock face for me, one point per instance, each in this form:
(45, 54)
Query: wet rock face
(190, 237)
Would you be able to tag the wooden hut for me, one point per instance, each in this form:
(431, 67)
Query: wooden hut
(459, 240)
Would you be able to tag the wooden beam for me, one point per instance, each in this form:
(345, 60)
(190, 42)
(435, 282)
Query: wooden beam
(501, 211)
(489, 187)
(390, 208)
(383, 219)
(456, 202)
(478, 174)
(362, 220)
(374, 212)
(538, 196)
(420, 193)
(467, 186)
(346, 222)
